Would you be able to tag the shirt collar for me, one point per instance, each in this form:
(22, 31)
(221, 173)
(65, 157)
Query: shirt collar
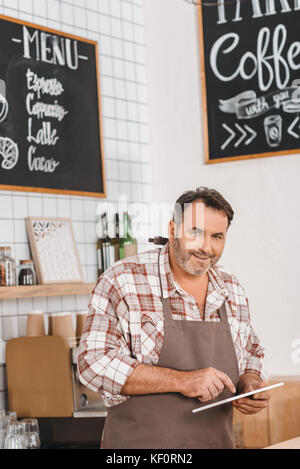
(170, 286)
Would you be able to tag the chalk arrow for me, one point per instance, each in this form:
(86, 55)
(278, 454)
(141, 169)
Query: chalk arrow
(244, 131)
(251, 132)
(244, 134)
(232, 135)
(290, 129)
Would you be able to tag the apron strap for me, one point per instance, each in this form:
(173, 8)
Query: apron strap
(223, 312)
(159, 276)
(166, 303)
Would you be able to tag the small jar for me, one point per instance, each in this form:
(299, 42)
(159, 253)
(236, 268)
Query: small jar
(7, 268)
(27, 274)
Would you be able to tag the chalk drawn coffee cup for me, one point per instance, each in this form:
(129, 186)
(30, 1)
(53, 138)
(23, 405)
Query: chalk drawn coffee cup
(3, 108)
(273, 130)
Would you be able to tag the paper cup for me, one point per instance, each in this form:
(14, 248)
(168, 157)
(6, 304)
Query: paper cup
(35, 324)
(80, 320)
(61, 324)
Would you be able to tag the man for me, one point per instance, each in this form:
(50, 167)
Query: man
(169, 329)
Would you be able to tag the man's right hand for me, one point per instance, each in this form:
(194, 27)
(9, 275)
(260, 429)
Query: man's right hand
(205, 384)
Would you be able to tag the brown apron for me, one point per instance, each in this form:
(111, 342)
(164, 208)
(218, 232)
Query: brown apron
(166, 420)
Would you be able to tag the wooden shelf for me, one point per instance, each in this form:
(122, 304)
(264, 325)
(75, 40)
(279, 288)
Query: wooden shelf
(57, 289)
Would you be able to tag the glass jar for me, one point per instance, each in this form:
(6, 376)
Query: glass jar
(7, 268)
(27, 273)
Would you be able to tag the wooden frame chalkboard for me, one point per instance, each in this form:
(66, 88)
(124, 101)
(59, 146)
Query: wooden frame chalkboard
(250, 77)
(50, 111)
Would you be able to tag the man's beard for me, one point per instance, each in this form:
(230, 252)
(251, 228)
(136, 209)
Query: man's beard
(183, 258)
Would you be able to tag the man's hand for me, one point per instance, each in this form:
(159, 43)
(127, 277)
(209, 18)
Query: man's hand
(205, 384)
(255, 403)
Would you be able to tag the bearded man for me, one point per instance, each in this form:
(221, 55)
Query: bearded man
(169, 329)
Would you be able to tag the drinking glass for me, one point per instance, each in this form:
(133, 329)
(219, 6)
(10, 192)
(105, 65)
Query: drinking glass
(31, 433)
(3, 423)
(14, 436)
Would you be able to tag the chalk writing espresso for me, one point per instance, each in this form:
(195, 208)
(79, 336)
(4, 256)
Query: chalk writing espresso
(251, 53)
(49, 111)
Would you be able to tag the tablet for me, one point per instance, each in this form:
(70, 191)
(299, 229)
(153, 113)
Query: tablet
(239, 396)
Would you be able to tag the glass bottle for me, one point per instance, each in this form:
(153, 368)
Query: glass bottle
(99, 251)
(116, 239)
(105, 247)
(27, 274)
(7, 268)
(128, 245)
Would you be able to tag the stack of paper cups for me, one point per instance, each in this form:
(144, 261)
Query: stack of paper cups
(61, 324)
(80, 320)
(35, 324)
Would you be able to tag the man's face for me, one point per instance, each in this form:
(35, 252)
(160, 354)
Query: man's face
(198, 242)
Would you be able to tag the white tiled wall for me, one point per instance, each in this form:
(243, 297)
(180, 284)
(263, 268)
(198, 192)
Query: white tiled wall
(117, 25)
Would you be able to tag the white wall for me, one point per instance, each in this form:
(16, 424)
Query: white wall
(263, 243)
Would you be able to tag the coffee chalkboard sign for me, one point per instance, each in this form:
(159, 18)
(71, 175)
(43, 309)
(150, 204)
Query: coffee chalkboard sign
(250, 54)
(50, 116)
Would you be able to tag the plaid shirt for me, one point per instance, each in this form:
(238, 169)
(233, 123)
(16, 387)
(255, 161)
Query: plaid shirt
(125, 325)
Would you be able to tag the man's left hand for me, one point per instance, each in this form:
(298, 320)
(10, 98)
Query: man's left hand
(255, 403)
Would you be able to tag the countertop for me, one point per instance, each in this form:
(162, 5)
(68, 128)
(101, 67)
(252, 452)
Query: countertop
(288, 444)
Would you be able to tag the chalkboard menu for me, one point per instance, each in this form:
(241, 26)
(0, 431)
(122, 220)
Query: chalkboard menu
(50, 117)
(250, 54)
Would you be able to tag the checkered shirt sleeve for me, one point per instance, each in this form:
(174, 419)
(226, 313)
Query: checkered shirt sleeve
(104, 359)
